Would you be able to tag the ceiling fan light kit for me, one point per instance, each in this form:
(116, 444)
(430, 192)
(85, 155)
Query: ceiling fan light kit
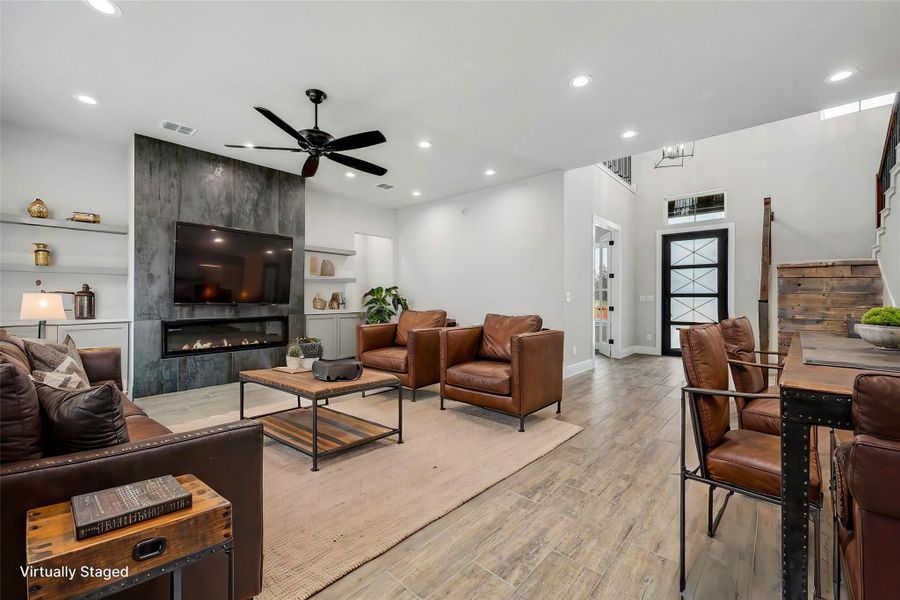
(318, 143)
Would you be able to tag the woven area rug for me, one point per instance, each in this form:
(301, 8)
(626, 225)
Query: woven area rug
(320, 526)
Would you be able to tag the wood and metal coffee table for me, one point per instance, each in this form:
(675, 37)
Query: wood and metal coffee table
(315, 430)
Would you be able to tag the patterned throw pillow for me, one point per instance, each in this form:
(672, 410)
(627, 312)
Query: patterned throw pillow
(58, 365)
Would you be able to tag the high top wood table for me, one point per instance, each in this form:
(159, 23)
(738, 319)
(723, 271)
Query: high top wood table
(317, 431)
(811, 395)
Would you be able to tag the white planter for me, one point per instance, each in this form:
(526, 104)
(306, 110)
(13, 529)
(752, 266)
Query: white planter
(293, 362)
(307, 363)
(880, 336)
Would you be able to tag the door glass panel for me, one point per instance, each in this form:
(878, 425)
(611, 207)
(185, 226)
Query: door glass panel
(694, 281)
(675, 342)
(694, 310)
(701, 251)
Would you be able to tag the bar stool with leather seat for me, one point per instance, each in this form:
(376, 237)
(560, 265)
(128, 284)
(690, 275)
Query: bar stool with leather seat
(739, 461)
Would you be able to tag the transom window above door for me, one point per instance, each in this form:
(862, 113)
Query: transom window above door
(695, 208)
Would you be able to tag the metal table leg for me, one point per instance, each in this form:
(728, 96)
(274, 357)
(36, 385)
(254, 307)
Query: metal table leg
(175, 585)
(400, 414)
(230, 553)
(242, 399)
(315, 435)
(794, 509)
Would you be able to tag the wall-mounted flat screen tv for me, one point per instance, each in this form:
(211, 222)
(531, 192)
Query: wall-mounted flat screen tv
(216, 265)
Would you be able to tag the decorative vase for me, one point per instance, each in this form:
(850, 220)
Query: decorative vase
(41, 254)
(313, 265)
(293, 362)
(335, 302)
(311, 349)
(318, 302)
(38, 209)
(327, 268)
(884, 337)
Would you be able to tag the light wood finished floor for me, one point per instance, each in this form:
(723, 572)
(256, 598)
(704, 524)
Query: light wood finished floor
(595, 518)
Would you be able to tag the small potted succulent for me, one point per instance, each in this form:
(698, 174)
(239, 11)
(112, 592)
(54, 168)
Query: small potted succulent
(310, 350)
(294, 356)
(881, 327)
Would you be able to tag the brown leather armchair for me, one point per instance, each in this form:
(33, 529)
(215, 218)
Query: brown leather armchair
(226, 457)
(867, 498)
(750, 375)
(509, 365)
(408, 349)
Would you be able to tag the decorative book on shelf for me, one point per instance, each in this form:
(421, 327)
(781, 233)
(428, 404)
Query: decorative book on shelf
(114, 508)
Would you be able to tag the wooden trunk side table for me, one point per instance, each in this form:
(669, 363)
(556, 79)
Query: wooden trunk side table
(153, 548)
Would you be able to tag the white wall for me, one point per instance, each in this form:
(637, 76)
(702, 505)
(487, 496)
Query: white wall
(332, 220)
(819, 174)
(592, 191)
(69, 174)
(495, 250)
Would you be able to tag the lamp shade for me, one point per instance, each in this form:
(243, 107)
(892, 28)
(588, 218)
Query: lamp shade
(41, 306)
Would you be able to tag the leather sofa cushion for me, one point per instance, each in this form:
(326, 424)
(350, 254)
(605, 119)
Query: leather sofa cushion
(752, 460)
(740, 345)
(12, 348)
(488, 376)
(706, 366)
(20, 415)
(392, 358)
(76, 420)
(141, 427)
(843, 502)
(497, 331)
(762, 415)
(129, 408)
(417, 319)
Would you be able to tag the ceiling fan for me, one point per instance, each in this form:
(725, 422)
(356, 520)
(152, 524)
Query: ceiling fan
(318, 143)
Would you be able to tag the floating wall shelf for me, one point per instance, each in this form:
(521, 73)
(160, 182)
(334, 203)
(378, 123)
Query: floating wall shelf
(330, 279)
(63, 224)
(71, 269)
(327, 250)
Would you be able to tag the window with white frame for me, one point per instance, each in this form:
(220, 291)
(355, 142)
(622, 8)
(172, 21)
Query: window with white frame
(695, 208)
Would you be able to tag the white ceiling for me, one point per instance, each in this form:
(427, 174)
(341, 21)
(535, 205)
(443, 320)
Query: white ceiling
(486, 82)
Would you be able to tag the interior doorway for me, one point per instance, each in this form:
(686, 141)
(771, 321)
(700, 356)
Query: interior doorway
(602, 299)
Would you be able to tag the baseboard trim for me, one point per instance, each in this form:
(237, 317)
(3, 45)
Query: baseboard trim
(639, 350)
(577, 368)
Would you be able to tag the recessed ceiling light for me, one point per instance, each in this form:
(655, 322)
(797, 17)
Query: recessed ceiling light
(629, 134)
(581, 81)
(86, 99)
(350, 174)
(249, 145)
(425, 144)
(416, 193)
(104, 7)
(218, 240)
(840, 76)
(270, 252)
(490, 172)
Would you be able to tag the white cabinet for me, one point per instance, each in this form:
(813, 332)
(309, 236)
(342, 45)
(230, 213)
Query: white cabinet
(337, 332)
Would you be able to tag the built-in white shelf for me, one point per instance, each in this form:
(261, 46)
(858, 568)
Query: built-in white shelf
(330, 279)
(73, 269)
(327, 250)
(313, 312)
(63, 224)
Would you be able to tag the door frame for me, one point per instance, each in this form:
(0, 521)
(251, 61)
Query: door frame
(691, 229)
(615, 298)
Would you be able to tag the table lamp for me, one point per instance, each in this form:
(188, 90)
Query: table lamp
(41, 306)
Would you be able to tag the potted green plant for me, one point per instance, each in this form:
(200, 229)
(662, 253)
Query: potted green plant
(294, 356)
(381, 304)
(881, 327)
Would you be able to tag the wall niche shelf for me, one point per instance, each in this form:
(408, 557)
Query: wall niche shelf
(327, 250)
(330, 279)
(63, 224)
(71, 269)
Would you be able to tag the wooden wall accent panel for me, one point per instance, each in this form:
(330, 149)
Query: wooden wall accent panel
(818, 296)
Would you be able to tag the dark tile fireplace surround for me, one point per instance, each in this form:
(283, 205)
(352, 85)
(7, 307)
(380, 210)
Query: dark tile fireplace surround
(175, 183)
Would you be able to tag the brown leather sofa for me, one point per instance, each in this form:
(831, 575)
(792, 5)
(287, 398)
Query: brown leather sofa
(867, 497)
(227, 457)
(409, 349)
(509, 365)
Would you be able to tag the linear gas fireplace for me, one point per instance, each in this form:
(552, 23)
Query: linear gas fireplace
(208, 336)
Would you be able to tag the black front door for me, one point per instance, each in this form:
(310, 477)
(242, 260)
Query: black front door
(694, 282)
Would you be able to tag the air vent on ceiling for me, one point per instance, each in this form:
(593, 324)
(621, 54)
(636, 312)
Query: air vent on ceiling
(385, 186)
(177, 127)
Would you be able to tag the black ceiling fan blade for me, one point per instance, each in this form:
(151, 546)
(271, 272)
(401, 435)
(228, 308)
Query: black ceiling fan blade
(262, 147)
(355, 163)
(356, 141)
(310, 166)
(281, 124)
